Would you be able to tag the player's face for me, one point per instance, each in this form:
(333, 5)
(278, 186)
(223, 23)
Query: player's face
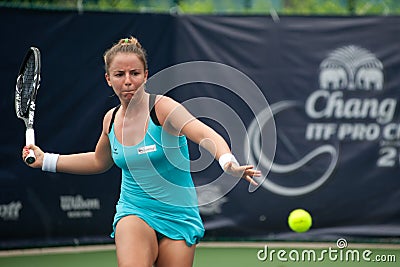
(126, 76)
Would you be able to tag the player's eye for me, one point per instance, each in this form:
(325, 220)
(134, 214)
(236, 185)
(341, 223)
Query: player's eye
(135, 73)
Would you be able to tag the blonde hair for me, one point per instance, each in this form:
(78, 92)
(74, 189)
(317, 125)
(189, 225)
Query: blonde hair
(125, 45)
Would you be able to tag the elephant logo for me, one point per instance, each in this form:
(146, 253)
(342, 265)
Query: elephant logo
(351, 67)
(369, 78)
(333, 77)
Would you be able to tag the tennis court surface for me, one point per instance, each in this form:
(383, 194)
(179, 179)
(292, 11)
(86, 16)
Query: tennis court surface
(220, 254)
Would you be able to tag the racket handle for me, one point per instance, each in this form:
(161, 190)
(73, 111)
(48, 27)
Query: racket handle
(30, 140)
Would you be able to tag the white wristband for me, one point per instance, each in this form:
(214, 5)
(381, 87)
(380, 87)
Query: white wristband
(225, 158)
(50, 162)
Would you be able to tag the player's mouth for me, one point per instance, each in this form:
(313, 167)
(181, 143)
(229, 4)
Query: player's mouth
(129, 94)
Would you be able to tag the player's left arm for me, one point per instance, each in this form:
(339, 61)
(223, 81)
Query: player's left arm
(177, 120)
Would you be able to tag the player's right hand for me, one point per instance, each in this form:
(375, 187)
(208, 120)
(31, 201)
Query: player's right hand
(39, 154)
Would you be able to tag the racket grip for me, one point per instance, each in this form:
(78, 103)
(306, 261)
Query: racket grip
(30, 140)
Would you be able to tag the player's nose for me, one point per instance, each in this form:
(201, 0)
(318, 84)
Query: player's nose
(128, 80)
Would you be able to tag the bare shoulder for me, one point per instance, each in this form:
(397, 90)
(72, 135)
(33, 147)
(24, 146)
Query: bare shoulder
(165, 101)
(165, 104)
(165, 107)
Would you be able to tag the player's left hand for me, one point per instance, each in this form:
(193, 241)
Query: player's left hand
(246, 172)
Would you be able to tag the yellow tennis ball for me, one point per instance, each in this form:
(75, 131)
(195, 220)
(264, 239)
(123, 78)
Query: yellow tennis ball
(300, 220)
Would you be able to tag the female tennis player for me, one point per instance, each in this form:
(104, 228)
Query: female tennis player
(157, 221)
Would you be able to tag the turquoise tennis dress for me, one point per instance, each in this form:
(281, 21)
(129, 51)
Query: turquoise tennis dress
(157, 185)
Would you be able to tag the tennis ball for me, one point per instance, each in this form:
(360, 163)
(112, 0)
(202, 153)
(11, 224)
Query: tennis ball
(300, 220)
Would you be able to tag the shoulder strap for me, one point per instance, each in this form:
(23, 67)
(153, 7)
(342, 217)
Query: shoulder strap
(152, 108)
(113, 118)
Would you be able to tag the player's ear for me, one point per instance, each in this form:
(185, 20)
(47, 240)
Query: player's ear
(107, 78)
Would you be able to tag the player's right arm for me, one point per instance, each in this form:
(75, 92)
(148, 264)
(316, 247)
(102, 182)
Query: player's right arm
(82, 163)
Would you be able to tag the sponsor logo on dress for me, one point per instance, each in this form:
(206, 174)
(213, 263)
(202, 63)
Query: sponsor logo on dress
(146, 149)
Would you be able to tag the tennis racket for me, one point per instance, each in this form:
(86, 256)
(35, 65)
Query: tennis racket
(28, 82)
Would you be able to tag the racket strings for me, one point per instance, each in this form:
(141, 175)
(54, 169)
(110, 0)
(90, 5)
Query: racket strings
(28, 80)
